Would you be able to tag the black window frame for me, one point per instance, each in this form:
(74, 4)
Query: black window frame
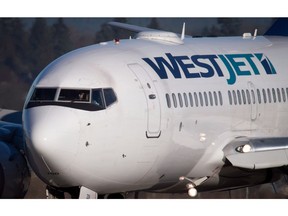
(74, 95)
(41, 99)
(111, 100)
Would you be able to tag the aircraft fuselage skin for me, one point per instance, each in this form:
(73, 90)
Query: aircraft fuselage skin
(175, 112)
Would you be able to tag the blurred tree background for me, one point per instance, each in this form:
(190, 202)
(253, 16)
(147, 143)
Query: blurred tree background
(25, 51)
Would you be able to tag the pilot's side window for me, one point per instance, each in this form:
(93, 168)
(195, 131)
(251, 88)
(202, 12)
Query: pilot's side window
(109, 96)
(97, 98)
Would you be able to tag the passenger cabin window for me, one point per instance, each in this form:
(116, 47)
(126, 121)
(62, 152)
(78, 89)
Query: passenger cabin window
(278, 95)
(259, 96)
(210, 98)
(205, 99)
(230, 97)
(196, 99)
(269, 95)
(180, 100)
(191, 99)
(274, 95)
(234, 97)
(168, 101)
(248, 96)
(215, 98)
(264, 96)
(44, 94)
(220, 98)
(201, 99)
(185, 99)
(283, 94)
(243, 96)
(174, 100)
(253, 96)
(239, 97)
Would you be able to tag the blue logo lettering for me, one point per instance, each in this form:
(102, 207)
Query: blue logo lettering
(207, 66)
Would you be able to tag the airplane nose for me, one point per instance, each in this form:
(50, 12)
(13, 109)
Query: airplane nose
(52, 135)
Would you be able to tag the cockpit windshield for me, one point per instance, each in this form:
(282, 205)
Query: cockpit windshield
(97, 98)
(44, 94)
(74, 95)
(85, 99)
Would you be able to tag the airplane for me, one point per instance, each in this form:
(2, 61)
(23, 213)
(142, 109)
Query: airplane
(161, 112)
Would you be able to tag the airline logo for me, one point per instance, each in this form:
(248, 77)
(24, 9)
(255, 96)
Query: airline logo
(229, 66)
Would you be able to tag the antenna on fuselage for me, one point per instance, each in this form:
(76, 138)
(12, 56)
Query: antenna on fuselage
(183, 32)
(255, 33)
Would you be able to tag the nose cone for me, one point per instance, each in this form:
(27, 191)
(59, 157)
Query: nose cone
(52, 135)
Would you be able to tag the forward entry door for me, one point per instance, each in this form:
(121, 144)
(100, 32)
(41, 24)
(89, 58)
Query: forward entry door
(153, 103)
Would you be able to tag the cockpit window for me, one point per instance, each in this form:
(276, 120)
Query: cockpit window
(43, 94)
(110, 96)
(103, 97)
(73, 95)
(97, 98)
(84, 99)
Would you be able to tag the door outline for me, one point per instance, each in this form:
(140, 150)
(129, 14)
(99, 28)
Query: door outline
(152, 100)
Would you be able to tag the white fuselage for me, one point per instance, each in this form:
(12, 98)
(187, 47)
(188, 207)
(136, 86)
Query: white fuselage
(142, 140)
